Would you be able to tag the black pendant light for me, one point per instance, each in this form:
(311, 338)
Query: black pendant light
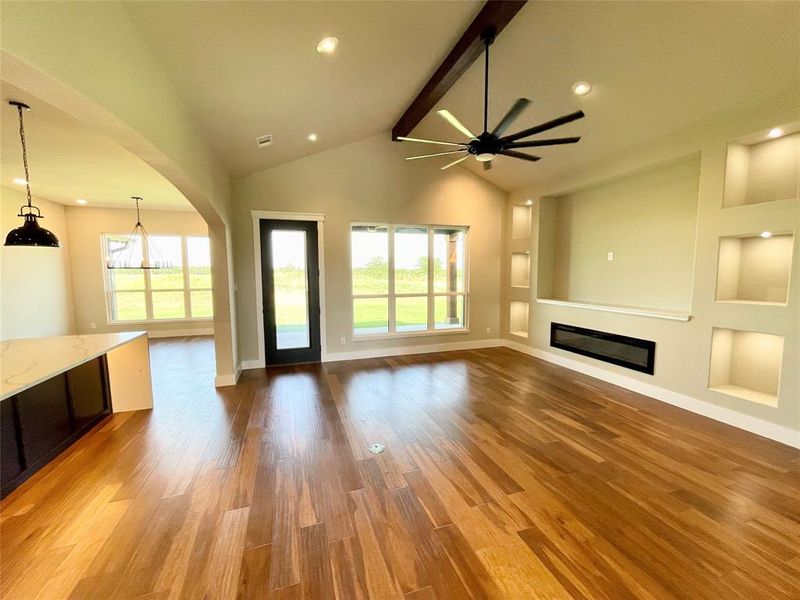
(30, 233)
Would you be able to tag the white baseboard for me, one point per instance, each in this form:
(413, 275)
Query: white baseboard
(755, 425)
(169, 333)
(228, 378)
(396, 351)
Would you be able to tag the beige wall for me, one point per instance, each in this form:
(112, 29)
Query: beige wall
(683, 349)
(645, 218)
(36, 283)
(369, 181)
(86, 225)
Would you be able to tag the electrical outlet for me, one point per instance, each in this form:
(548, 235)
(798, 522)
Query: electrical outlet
(343, 340)
(93, 325)
(610, 256)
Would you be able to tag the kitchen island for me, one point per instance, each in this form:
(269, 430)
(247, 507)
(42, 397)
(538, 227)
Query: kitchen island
(55, 389)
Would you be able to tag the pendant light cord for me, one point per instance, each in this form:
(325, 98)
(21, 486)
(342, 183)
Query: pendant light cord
(24, 155)
(138, 218)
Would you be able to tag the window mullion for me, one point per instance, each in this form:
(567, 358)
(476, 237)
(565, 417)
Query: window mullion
(431, 306)
(466, 277)
(392, 311)
(148, 293)
(187, 302)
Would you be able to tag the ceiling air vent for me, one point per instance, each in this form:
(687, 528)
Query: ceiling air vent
(264, 140)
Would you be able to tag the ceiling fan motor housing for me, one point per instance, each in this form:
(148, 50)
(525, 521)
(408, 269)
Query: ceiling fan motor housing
(485, 147)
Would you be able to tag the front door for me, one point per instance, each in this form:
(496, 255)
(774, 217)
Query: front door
(290, 280)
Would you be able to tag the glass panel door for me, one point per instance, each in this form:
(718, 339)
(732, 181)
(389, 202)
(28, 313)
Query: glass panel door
(290, 289)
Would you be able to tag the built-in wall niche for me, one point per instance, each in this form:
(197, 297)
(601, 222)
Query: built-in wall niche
(521, 221)
(626, 244)
(754, 268)
(518, 319)
(521, 269)
(762, 172)
(746, 364)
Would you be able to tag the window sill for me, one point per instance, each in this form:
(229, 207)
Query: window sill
(407, 334)
(157, 321)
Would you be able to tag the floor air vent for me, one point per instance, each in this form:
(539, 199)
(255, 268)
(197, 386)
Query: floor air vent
(621, 350)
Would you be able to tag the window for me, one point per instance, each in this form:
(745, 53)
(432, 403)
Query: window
(180, 292)
(408, 279)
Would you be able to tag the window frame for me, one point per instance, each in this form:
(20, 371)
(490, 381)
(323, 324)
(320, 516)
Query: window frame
(391, 296)
(148, 289)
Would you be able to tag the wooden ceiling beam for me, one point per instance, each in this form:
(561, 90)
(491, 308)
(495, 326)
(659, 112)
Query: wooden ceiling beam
(495, 14)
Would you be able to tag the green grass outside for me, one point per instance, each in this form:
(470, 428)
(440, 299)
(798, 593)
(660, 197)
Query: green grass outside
(130, 304)
(369, 313)
(289, 294)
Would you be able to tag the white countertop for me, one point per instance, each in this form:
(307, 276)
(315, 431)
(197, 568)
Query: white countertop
(26, 362)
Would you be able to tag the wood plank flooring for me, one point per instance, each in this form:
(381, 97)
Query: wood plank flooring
(503, 477)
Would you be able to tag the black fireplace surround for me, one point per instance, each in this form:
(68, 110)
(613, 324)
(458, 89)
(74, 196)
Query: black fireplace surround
(629, 352)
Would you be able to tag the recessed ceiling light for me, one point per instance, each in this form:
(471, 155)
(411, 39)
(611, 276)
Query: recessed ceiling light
(81, 201)
(766, 234)
(529, 202)
(20, 181)
(327, 45)
(775, 132)
(581, 88)
(312, 137)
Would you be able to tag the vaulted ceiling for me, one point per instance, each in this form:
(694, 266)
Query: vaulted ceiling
(657, 68)
(250, 68)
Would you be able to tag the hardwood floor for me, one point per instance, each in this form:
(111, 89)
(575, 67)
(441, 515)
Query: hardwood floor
(503, 477)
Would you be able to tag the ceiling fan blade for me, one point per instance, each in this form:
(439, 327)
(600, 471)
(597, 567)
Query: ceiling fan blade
(455, 162)
(513, 154)
(435, 154)
(512, 114)
(550, 142)
(408, 139)
(487, 165)
(455, 123)
(544, 126)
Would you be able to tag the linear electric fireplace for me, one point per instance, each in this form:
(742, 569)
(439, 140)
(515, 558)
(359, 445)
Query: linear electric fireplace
(621, 350)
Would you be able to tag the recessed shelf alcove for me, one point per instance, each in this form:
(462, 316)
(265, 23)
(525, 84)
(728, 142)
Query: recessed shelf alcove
(762, 172)
(521, 221)
(754, 269)
(521, 269)
(518, 318)
(625, 244)
(746, 364)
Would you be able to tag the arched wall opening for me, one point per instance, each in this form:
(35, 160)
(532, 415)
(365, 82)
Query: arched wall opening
(212, 209)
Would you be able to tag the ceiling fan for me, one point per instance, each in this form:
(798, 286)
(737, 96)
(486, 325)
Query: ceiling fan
(486, 146)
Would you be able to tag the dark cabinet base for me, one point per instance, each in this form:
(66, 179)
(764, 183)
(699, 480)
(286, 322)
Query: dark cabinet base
(39, 423)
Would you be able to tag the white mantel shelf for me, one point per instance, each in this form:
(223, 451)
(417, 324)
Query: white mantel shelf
(653, 313)
(27, 362)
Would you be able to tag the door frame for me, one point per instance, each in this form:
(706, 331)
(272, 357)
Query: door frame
(258, 314)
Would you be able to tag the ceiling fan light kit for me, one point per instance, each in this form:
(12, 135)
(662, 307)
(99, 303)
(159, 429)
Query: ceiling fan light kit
(486, 146)
(30, 233)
